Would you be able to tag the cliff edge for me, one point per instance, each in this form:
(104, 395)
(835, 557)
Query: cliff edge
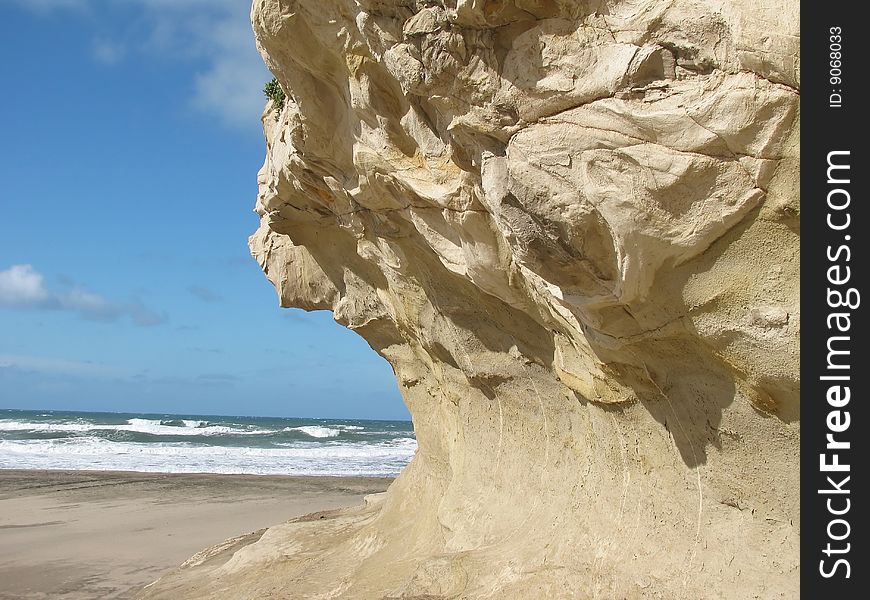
(572, 228)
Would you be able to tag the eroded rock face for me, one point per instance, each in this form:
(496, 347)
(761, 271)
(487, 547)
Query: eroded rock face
(572, 228)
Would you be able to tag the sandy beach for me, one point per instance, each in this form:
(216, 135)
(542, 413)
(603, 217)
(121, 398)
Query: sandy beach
(89, 534)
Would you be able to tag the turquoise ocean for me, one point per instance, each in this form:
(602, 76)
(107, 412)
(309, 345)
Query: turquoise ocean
(203, 443)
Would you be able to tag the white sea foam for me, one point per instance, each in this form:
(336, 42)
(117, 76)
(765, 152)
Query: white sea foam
(194, 428)
(8, 425)
(316, 431)
(152, 426)
(304, 458)
(227, 445)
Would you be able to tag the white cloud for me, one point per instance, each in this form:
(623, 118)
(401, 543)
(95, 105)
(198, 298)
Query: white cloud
(213, 35)
(89, 305)
(49, 5)
(217, 35)
(108, 52)
(144, 316)
(232, 89)
(205, 294)
(58, 366)
(22, 286)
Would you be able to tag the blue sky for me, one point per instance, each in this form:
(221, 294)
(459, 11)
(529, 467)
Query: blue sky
(129, 146)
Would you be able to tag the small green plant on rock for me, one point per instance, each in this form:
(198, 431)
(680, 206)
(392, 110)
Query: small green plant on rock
(273, 92)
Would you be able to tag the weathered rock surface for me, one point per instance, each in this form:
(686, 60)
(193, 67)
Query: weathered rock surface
(573, 229)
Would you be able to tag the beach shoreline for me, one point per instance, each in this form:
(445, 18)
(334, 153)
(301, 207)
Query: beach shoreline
(106, 534)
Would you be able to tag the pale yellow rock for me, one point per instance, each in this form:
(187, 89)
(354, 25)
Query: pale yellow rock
(572, 228)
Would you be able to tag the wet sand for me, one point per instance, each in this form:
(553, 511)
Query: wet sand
(92, 534)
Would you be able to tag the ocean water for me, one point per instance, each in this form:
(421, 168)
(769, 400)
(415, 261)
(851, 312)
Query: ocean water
(203, 444)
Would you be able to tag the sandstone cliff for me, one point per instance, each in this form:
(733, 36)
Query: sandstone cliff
(572, 228)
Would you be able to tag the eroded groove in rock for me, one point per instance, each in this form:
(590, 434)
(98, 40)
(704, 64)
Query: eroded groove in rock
(572, 229)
